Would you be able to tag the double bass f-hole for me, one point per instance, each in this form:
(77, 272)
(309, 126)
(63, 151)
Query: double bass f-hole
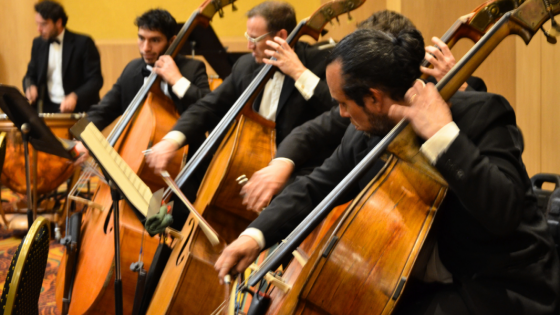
(181, 256)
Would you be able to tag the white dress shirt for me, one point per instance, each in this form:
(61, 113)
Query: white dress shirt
(179, 89)
(305, 84)
(54, 71)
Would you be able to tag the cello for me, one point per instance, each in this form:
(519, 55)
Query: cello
(346, 261)
(247, 147)
(91, 289)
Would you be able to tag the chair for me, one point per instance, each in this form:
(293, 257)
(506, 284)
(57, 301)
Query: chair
(25, 277)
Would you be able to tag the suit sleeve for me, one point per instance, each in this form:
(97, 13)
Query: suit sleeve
(297, 200)
(31, 76)
(485, 169)
(199, 84)
(93, 80)
(207, 112)
(315, 61)
(324, 133)
(110, 107)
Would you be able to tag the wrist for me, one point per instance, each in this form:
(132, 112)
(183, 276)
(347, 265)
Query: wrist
(174, 78)
(296, 74)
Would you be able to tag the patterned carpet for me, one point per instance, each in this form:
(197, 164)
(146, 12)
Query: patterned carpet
(8, 247)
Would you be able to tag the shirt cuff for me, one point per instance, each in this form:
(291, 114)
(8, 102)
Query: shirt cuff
(283, 159)
(180, 87)
(256, 235)
(176, 136)
(307, 83)
(440, 142)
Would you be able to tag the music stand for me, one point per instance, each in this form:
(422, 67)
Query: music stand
(207, 44)
(33, 130)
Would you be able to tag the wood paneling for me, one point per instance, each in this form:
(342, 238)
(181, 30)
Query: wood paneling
(550, 108)
(17, 25)
(529, 100)
(434, 17)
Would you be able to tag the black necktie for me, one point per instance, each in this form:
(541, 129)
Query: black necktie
(54, 40)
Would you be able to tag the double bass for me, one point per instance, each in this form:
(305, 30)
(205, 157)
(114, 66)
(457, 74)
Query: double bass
(472, 26)
(374, 268)
(147, 119)
(248, 145)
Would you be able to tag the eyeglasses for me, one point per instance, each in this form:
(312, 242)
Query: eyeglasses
(255, 40)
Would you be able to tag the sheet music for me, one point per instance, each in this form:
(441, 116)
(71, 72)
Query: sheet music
(134, 189)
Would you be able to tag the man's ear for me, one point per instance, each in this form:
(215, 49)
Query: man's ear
(374, 101)
(282, 34)
(58, 24)
(172, 39)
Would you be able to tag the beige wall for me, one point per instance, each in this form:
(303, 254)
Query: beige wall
(526, 76)
(17, 28)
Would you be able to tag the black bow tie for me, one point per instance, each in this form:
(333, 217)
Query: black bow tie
(54, 40)
(146, 72)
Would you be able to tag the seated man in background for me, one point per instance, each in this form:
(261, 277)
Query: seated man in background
(64, 74)
(492, 253)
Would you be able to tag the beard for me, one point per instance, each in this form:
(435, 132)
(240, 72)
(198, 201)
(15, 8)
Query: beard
(380, 124)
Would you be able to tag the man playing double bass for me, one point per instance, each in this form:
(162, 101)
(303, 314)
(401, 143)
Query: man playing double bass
(294, 95)
(493, 253)
(184, 80)
(323, 133)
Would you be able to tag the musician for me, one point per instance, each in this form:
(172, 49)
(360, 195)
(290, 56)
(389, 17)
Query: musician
(323, 133)
(295, 94)
(64, 72)
(493, 253)
(184, 80)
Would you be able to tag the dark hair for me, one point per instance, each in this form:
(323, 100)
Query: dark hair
(377, 59)
(51, 10)
(387, 21)
(158, 20)
(278, 15)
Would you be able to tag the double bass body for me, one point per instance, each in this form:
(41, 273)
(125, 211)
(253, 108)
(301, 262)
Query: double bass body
(93, 291)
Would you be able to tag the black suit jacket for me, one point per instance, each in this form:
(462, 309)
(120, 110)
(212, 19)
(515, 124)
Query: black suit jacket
(293, 110)
(318, 138)
(81, 69)
(490, 234)
(116, 101)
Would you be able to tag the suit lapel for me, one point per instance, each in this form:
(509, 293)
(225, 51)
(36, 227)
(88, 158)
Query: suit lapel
(67, 48)
(287, 88)
(43, 62)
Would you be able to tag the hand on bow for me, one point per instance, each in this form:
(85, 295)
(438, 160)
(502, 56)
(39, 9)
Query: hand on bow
(266, 183)
(160, 155)
(237, 257)
(286, 59)
(427, 113)
(82, 151)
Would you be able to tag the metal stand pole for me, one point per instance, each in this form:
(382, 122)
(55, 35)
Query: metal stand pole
(25, 129)
(116, 196)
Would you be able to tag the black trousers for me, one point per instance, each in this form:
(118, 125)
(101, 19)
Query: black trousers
(421, 298)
